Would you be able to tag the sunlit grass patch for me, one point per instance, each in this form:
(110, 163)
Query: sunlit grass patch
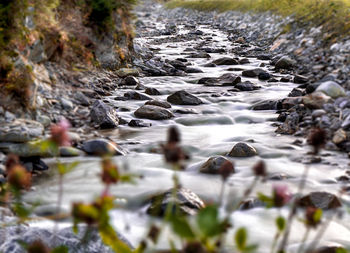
(334, 15)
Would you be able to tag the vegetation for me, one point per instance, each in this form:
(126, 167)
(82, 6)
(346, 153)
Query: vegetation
(333, 15)
(26, 22)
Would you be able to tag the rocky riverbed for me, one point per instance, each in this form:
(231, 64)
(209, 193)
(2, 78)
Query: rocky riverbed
(236, 87)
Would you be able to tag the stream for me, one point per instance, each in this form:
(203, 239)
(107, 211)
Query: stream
(208, 129)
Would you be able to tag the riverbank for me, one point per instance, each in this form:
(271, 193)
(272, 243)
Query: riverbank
(215, 77)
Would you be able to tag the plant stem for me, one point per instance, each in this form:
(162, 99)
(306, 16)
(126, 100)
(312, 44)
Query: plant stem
(306, 235)
(293, 210)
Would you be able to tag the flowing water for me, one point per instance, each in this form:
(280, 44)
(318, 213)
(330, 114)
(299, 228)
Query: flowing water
(215, 126)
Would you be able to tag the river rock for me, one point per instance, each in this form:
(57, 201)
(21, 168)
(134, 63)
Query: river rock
(253, 72)
(213, 165)
(103, 115)
(101, 147)
(225, 61)
(82, 99)
(30, 149)
(14, 235)
(187, 202)
(323, 200)
(153, 112)
(134, 95)
(70, 152)
(300, 79)
(315, 100)
(285, 63)
(21, 130)
(124, 72)
(331, 89)
(152, 91)
(182, 97)
(138, 123)
(246, 86)
(265, 105)
(242, 149)
(130, 81)
(163, 104)
(339, 136)
(33, 163)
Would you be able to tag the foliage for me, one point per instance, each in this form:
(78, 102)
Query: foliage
(333, 15)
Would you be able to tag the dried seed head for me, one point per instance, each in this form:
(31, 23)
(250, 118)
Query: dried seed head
(59, 133)
(259, 169)
(38, 247)
(226, 169)
(174, 135)
(194, 247)
(317, 138)
(281, 195)
(110, 172)
(313, 216)
(11, 161)
(153, 233)
(19, 177)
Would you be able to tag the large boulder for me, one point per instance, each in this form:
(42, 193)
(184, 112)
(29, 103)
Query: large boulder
(323, 200)
(153, 112)
(183, 98)
(21, 130)
(103, 115)
(185, 202)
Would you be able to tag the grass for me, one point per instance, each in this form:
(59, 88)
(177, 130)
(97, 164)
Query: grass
(333, 15)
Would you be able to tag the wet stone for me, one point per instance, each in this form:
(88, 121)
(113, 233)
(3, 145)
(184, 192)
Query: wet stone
(285, 63)
(323, 200)
(134, 95)
(159, 103)
(187, 203)
(213, 165)
(152, 91)
(70, 152)
(300, 79)
(242, 149)
(153, 112)
(225, 61)
(182, 97)
(138, 123)
(130, 81)
(253, 72)
(101, 147)
(246, 86)
(103, 115)
(265, 105)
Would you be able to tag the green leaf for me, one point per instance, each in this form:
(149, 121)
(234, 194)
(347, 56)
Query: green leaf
(266, 199)
(317, 215)
(181, 227)
(208, 221)
(251, 248)
(66, 168)
(110, 238)
(280, 223)
(241, 239)
(60, 249)
(341, 250)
